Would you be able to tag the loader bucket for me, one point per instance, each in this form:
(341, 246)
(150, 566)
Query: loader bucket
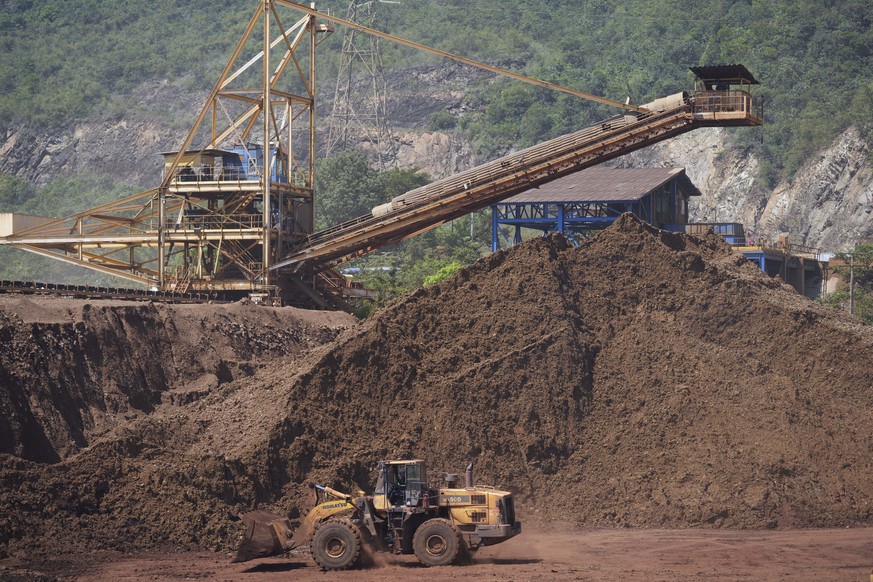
(267, 534)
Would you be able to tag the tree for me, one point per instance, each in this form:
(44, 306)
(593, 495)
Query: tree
(14, 193)
(395, 181)
(443, 273)
(426, 259)
(855, 268)
(346, 187)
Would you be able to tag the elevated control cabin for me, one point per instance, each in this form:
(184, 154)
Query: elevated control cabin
(723, 96)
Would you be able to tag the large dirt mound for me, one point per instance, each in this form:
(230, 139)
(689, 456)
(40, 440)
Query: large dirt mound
(646, 378)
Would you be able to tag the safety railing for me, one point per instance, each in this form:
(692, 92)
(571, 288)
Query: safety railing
(722, 102)
(216, 222)
(208, 173)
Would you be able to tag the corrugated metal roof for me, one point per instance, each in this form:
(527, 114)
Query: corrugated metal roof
(729, 73)
(598, 184)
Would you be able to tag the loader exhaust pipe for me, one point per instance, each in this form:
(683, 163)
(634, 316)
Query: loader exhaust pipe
(468, 474)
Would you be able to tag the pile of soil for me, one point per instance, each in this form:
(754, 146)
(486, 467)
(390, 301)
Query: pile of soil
(72, 370)
(643, 379)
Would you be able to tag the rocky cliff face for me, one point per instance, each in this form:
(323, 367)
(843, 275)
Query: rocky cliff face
(123, 149)
(828, 203)
(126, 146)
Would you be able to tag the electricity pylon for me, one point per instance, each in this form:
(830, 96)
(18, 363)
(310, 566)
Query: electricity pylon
(360, 103)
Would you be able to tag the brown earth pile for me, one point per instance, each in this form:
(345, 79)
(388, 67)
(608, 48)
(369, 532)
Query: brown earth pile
(644, 379)
(72, 370)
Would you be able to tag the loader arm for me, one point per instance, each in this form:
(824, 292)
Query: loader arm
(322, 512)
(269, 534)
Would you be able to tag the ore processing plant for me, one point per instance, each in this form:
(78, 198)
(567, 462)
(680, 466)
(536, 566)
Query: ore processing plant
(234, 214)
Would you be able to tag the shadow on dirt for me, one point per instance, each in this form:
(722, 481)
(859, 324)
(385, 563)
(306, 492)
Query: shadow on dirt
(283, 567)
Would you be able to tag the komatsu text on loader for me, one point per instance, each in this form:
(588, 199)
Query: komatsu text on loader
(405, 515)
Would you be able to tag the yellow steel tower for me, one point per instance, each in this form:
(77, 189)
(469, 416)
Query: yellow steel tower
(236, 194)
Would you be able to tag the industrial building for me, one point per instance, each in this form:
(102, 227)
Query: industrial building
(233, 215)
(588, 201)
(591, 200)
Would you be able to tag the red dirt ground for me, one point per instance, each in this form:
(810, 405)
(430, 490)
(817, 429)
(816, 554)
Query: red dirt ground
(588, 554)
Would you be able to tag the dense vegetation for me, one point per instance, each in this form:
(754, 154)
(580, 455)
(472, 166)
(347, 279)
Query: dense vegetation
(814, 60)
(349, 187)
(422, 260)
(64, 59)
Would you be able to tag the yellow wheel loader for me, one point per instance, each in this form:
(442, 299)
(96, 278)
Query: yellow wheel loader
(440, 524)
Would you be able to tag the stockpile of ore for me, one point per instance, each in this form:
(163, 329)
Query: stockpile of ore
(644, 379)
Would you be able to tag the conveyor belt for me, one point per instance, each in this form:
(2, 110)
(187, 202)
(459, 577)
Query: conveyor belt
(89, 292)
(446, 199)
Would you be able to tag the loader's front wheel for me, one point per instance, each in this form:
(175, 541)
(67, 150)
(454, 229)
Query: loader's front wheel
(336, 545)
(437, 543)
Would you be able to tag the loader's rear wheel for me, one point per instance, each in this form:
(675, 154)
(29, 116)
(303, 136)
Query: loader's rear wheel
(336, 545)
(437, 543)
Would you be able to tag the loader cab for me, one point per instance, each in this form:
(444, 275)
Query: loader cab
(400, 483)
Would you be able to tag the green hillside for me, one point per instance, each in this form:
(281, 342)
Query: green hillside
(63, 59)
(813, 60)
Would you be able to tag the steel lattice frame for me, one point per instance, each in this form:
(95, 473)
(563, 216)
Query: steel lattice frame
(367, 120)
(204, 227)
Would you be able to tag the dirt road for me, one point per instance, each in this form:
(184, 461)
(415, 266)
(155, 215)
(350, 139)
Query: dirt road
(596, 554)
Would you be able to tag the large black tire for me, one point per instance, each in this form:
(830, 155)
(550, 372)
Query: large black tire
(437, 543)
(336, 545)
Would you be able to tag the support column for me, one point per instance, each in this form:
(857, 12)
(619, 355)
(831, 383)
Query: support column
(312, 43)
(162, 234)
(494, 243)
(266, 173)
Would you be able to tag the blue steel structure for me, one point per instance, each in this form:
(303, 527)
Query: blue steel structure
(591, 200)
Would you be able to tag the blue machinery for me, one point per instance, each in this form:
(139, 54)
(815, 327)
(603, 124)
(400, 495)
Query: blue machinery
(591, 200)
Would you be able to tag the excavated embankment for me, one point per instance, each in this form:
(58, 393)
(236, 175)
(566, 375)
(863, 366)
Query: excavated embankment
(644, 379)
(73, 370)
